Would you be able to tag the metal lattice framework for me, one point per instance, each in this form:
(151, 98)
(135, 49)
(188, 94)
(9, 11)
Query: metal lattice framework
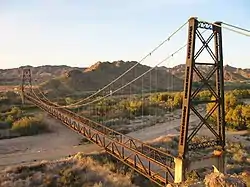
(158, 166)
(154, 164)
(26, 81)
(190, 93)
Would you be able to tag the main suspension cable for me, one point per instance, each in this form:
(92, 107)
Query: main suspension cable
(149, 70)
(129, 83)
(149, 54)
(236, 27)
(233, 29)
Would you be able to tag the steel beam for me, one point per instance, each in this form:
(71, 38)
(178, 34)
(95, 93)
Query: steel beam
(26, 82)
(189, 99)
(152, 163)
(158, 166)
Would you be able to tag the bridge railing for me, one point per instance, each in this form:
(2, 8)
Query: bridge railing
(149, 161)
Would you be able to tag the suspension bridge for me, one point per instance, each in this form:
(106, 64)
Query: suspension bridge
(159, 166)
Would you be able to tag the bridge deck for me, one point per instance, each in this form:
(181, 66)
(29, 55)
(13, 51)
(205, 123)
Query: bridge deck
(154, 164)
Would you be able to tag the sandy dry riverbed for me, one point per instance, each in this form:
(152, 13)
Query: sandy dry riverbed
(63, 142)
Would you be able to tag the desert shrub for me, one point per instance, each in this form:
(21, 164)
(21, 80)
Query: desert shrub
(192, 177)
(77, 171)
(241, 93)
(69, 100)
(246, 178)
(237, 156)
(163, 97)
(69, 177)
(221, 180)
(170, 100)
(11, 114)
(9, 120)
(29, 126)
(15, 111)
(237, 113)
(204, 95)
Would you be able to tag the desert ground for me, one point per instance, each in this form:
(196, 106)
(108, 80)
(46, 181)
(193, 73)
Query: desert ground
(62, 142)
(59, 143)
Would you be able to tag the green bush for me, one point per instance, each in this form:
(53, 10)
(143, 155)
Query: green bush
(237, 114)
(9, 120)
(29, 126)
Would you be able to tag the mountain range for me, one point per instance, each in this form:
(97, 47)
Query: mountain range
(231, 74)
(67, 80)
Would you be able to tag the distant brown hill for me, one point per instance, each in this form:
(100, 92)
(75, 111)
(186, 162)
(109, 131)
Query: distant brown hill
(40, 73)
(102, 73)
(70, 80)
(231, 74)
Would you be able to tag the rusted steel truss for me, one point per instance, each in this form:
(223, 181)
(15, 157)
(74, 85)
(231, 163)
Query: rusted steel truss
(190, 93)
(154, 164)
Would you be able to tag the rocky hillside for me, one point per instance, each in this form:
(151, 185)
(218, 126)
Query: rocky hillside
(40, 73)
(231, 74)
(101, 73)
(64, 79)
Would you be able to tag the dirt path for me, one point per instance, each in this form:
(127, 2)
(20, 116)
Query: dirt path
(172, 128)
(62, 142)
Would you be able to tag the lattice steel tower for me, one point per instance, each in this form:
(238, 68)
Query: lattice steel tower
(26, 81)
(184, 161)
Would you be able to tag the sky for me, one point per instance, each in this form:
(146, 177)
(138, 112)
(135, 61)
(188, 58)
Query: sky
(82, 32)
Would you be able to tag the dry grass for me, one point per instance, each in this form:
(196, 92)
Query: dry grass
(101, 170)
(76, 171)
(221, 180)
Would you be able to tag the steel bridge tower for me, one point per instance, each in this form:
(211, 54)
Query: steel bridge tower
(184, 161)
(26, 81)
(149, 157)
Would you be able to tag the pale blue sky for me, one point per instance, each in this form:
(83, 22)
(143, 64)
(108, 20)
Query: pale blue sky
(80, 33)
